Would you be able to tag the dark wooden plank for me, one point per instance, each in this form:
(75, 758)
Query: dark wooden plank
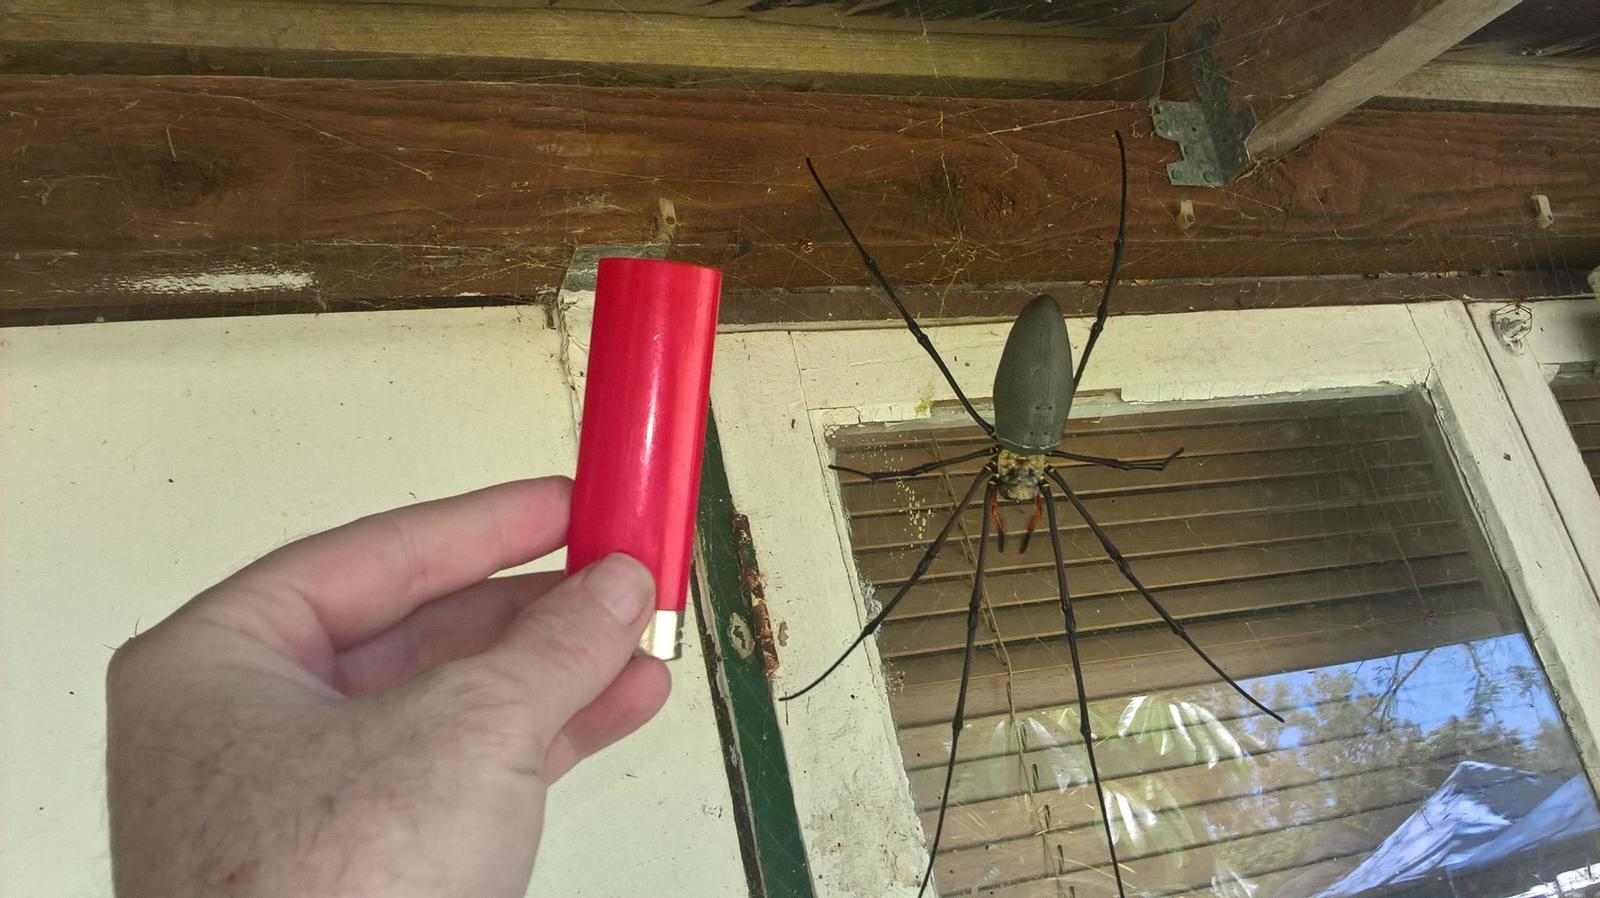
(1139, 297)
(391, 275)
(1298, 68)
(135, 191)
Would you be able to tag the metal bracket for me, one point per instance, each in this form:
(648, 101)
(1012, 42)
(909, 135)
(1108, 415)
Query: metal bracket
(1210, 131)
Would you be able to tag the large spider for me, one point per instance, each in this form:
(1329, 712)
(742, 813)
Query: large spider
(1033, 389)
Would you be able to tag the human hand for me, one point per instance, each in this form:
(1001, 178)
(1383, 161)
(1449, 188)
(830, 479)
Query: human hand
(362, 712)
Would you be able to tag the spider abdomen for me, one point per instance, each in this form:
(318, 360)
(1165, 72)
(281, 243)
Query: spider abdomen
(1033, 383)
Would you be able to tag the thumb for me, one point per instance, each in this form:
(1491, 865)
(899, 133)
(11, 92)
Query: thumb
(570, 644)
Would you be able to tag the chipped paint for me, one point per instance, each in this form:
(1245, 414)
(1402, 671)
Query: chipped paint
(755, 593)
(258, 280)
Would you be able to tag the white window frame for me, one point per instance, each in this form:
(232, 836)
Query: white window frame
(777, 395)
(1563, 332)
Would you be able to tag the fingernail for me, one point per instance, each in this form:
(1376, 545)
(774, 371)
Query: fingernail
(622, 585)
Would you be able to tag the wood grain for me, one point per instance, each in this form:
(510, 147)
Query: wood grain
(570, 45)
(837, 305)
(1533, 85)
(1299, 66)
(130, 191)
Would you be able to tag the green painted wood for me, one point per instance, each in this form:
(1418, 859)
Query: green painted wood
(756, 757)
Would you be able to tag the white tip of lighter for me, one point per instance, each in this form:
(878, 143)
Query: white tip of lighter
(661, 635)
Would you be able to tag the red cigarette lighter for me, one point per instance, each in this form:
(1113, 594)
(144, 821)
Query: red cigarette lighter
(644, 425)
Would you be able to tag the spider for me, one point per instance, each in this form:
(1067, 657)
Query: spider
(1034, 386)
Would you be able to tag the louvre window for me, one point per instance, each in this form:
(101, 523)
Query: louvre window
(1579, 398)
(1320, 551)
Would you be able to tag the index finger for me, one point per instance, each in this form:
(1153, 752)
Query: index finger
(341, 587)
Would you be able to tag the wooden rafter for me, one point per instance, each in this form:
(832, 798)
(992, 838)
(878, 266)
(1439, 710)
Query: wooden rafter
(1298, 66)
(1513, 83)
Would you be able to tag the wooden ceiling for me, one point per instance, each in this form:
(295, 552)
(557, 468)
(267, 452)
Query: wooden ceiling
(156, 156)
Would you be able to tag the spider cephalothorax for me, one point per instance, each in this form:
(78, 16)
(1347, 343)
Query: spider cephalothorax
(1018, 477)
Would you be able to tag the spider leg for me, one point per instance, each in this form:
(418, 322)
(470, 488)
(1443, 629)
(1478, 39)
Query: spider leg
(919, 469)
(1133, 579)
(905, 315)
(1038, 512)
(1119, 464)
(1116, 263)
(999, 526)
(1077, 676)
(961, 697)
(922, 568)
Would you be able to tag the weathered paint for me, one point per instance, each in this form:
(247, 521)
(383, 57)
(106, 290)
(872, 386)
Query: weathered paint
(240, 281)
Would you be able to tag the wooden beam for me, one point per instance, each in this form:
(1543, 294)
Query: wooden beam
(1298, 67)
(755, 309)
(1518, 83)
(321, 38)
(153, 191)
(847, 305)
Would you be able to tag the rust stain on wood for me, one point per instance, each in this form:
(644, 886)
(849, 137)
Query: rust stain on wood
(755, 594)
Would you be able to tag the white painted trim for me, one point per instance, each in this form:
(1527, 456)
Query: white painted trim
(778, 394)
(1565, 332)
(850, 790)
(1519, 515)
